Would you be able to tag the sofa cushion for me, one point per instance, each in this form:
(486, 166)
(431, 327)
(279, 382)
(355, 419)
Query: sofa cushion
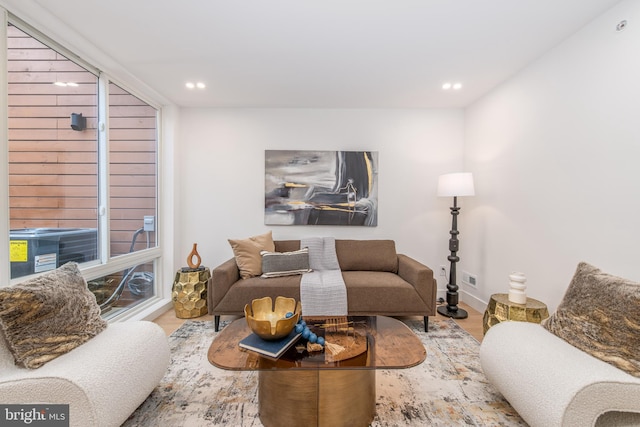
(367, 255)
(48, 316)
(357, 255)
(287, 245)
(279, 264)
(381, 292)
(247, 253)
(600, 315)
(244, 291)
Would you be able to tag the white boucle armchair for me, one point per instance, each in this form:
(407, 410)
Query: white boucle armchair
(551, 383)
(104, 380)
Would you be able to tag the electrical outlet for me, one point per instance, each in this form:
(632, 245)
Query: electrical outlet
(443, 270)
(149, 223)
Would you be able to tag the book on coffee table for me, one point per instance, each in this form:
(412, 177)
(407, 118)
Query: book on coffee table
(272, 349)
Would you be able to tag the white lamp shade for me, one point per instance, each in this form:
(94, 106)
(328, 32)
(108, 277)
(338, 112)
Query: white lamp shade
(456, 184)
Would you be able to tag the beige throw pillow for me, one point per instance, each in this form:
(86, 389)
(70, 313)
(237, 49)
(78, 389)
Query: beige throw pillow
(247, 253)
(600, 315)
(48, 316)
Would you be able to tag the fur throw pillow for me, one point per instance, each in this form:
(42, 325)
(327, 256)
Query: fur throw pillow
(48, 316)
(600, 315)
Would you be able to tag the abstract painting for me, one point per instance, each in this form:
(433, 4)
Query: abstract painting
(304, 187)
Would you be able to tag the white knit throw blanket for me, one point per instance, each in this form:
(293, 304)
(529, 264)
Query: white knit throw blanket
(322, 292)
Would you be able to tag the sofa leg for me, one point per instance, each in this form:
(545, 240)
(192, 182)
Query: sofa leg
(426, 323)
(216, 323)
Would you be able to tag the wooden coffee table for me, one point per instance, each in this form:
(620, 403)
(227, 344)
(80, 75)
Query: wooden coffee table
(318, 389)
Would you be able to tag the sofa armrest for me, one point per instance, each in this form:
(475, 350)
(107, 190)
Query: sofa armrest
(104, 380)
(420, 277)
(551, 383)
(222, 277)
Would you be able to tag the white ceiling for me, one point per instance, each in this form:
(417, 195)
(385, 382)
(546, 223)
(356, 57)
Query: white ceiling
(325, 54)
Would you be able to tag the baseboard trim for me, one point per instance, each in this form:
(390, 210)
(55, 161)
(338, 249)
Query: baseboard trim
(467, 298)
(473, 301)
(146, 312)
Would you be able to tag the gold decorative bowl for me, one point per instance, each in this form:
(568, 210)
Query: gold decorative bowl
(269, 322)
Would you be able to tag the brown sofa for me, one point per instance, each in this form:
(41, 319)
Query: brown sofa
(379, 282)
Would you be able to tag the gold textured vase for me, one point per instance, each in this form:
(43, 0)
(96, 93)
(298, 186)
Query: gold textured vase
(189, 292)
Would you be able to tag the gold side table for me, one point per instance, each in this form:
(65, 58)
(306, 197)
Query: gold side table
(189, 292)
(500, 309)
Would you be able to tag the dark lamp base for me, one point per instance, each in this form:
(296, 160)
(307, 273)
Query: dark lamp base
(458, 314)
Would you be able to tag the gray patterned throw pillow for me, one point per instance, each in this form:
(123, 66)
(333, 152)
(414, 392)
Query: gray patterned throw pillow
(278, 264)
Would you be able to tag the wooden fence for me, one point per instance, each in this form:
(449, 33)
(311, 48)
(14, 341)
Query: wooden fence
(53, 170)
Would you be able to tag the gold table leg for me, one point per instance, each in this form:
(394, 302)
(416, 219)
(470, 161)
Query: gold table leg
(325, 398)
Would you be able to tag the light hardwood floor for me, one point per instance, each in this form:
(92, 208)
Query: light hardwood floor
(472, 324)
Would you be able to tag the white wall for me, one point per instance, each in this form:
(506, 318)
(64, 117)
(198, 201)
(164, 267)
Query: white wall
(555, 154)
(221, 164)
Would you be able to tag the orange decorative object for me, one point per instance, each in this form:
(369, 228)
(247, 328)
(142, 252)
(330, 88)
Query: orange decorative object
(192, 254)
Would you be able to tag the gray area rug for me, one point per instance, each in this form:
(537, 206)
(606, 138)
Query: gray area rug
(448, 389)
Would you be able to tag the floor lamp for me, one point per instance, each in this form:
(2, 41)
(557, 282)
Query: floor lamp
(454, 185)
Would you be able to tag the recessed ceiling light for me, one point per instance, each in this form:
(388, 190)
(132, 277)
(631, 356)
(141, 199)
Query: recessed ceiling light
(454, 86)
(199, 85)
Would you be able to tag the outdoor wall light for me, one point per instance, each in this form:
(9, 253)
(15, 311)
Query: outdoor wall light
(78, 122)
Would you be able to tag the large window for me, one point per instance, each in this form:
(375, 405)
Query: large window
(132, 172)
(53, 169)
(83, 163)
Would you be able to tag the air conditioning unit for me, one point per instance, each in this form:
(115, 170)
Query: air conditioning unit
(34, 250)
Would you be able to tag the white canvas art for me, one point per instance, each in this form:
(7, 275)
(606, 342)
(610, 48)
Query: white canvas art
(321, 187)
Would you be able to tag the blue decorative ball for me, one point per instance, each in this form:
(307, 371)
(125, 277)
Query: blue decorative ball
(299, 328)
(313, 338)
(302, 322)
(288, 315)
(305, 333)
(320, 341)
